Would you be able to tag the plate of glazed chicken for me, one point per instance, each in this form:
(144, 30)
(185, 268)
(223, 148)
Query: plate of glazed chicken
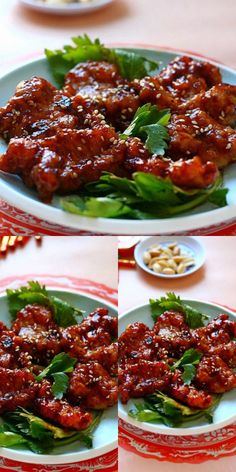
(177, 367)
(58, 367)
(120, 140)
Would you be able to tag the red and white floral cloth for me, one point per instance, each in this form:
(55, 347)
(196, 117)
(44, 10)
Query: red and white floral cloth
(16, 222)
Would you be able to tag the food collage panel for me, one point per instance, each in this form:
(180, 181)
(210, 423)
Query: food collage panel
(117, 236)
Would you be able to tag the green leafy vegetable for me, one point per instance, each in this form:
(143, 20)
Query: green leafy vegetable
(64, 314)
(60, 384)
(188, 361)
(23, 427)
(62, 362)
(60, 365)
(130, 65)
(159, 408)
(149, 124)
(144, 197)
(8, 439)
(194, 318)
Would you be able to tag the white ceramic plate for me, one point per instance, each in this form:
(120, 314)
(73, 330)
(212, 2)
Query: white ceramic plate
(225, 412)
(66, 9)
(105, 436)
(18, 195)
(189, 246)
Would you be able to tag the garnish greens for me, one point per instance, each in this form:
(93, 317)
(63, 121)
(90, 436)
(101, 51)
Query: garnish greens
(130, 65)
(64, 314)
(146, 196)
(149, 124)
(193, 317)
(187, 362)
(159, 408)
(23, 428)
(60, 365)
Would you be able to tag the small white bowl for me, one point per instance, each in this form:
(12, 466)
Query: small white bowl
(189, 246)
(224, 414)
(66, 9)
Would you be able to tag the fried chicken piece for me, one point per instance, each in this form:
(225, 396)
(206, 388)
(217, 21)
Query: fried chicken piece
(227, 352)
(138, 342)
(214, 375)
(37, 109)
(95, 331)
(173, 334)
(60, 411)
(107, 356)
(142, 378)
(101, 88)
(3, 327)
(188, 394)
(217, 339)
(197, 134)
(65, 162)
(7, 360)
(12, 355)
(189, 173)
(88, 77)
(185, 77)
(151, 90)
(17, 389)
(216, 334)
(92, 386)
(38, 331)
(219, 102)
(100, 318)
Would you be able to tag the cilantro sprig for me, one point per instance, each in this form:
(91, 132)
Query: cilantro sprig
(130, 64)
(149, 124)
(145, 196)
(193, 317)
(60, 366)
(64, 313)
(188, 362)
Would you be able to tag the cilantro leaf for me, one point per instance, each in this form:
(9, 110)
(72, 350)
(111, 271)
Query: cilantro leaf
(104, 207)
(188, 361)
(189, 372)
(64, 314)
(9, 439)
(218, 197)
(60, 384)
(149, 124)
(157, 138)
(130, 64)
(145, 196)
(193, 317)
(151, 188)
(32, 293)
(62, 362)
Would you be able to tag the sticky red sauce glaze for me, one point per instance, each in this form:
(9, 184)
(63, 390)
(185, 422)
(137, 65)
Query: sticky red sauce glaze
(146, 355)
(29, 346)
(58, 140)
